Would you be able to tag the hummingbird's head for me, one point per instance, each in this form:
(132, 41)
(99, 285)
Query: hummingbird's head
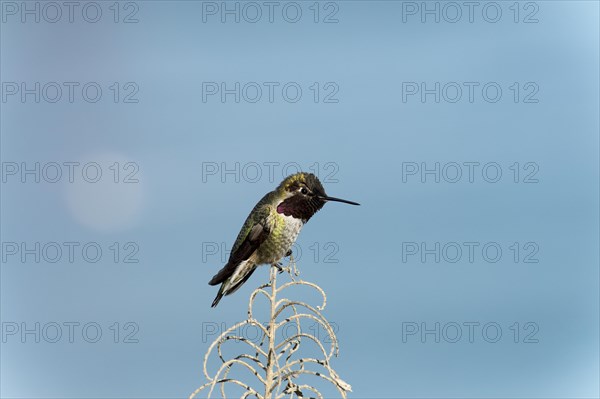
(302, 195)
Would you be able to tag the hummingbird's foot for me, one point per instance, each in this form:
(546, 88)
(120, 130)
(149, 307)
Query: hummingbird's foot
(288, 253)
(279, 266)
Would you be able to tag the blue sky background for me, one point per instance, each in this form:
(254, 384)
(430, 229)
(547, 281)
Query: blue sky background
(175, 212)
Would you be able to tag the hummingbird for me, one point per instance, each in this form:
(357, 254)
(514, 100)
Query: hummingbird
(271, 229)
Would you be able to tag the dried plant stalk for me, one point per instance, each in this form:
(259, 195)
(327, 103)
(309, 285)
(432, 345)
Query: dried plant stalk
(274, 370)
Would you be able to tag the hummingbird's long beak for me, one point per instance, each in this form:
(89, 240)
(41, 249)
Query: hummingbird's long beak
(326, 198)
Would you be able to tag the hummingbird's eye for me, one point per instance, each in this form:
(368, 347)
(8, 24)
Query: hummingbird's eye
(304, 190)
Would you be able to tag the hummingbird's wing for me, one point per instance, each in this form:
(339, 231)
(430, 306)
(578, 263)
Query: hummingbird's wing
(254, 232)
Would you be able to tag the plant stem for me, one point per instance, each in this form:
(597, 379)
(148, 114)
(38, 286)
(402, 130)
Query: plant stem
(272, 360)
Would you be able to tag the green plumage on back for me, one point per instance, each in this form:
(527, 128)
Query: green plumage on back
(259, 214)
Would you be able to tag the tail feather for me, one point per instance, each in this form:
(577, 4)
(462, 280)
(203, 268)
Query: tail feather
(228, 287)
(223, 274)
(217, 298)
(235, 287)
